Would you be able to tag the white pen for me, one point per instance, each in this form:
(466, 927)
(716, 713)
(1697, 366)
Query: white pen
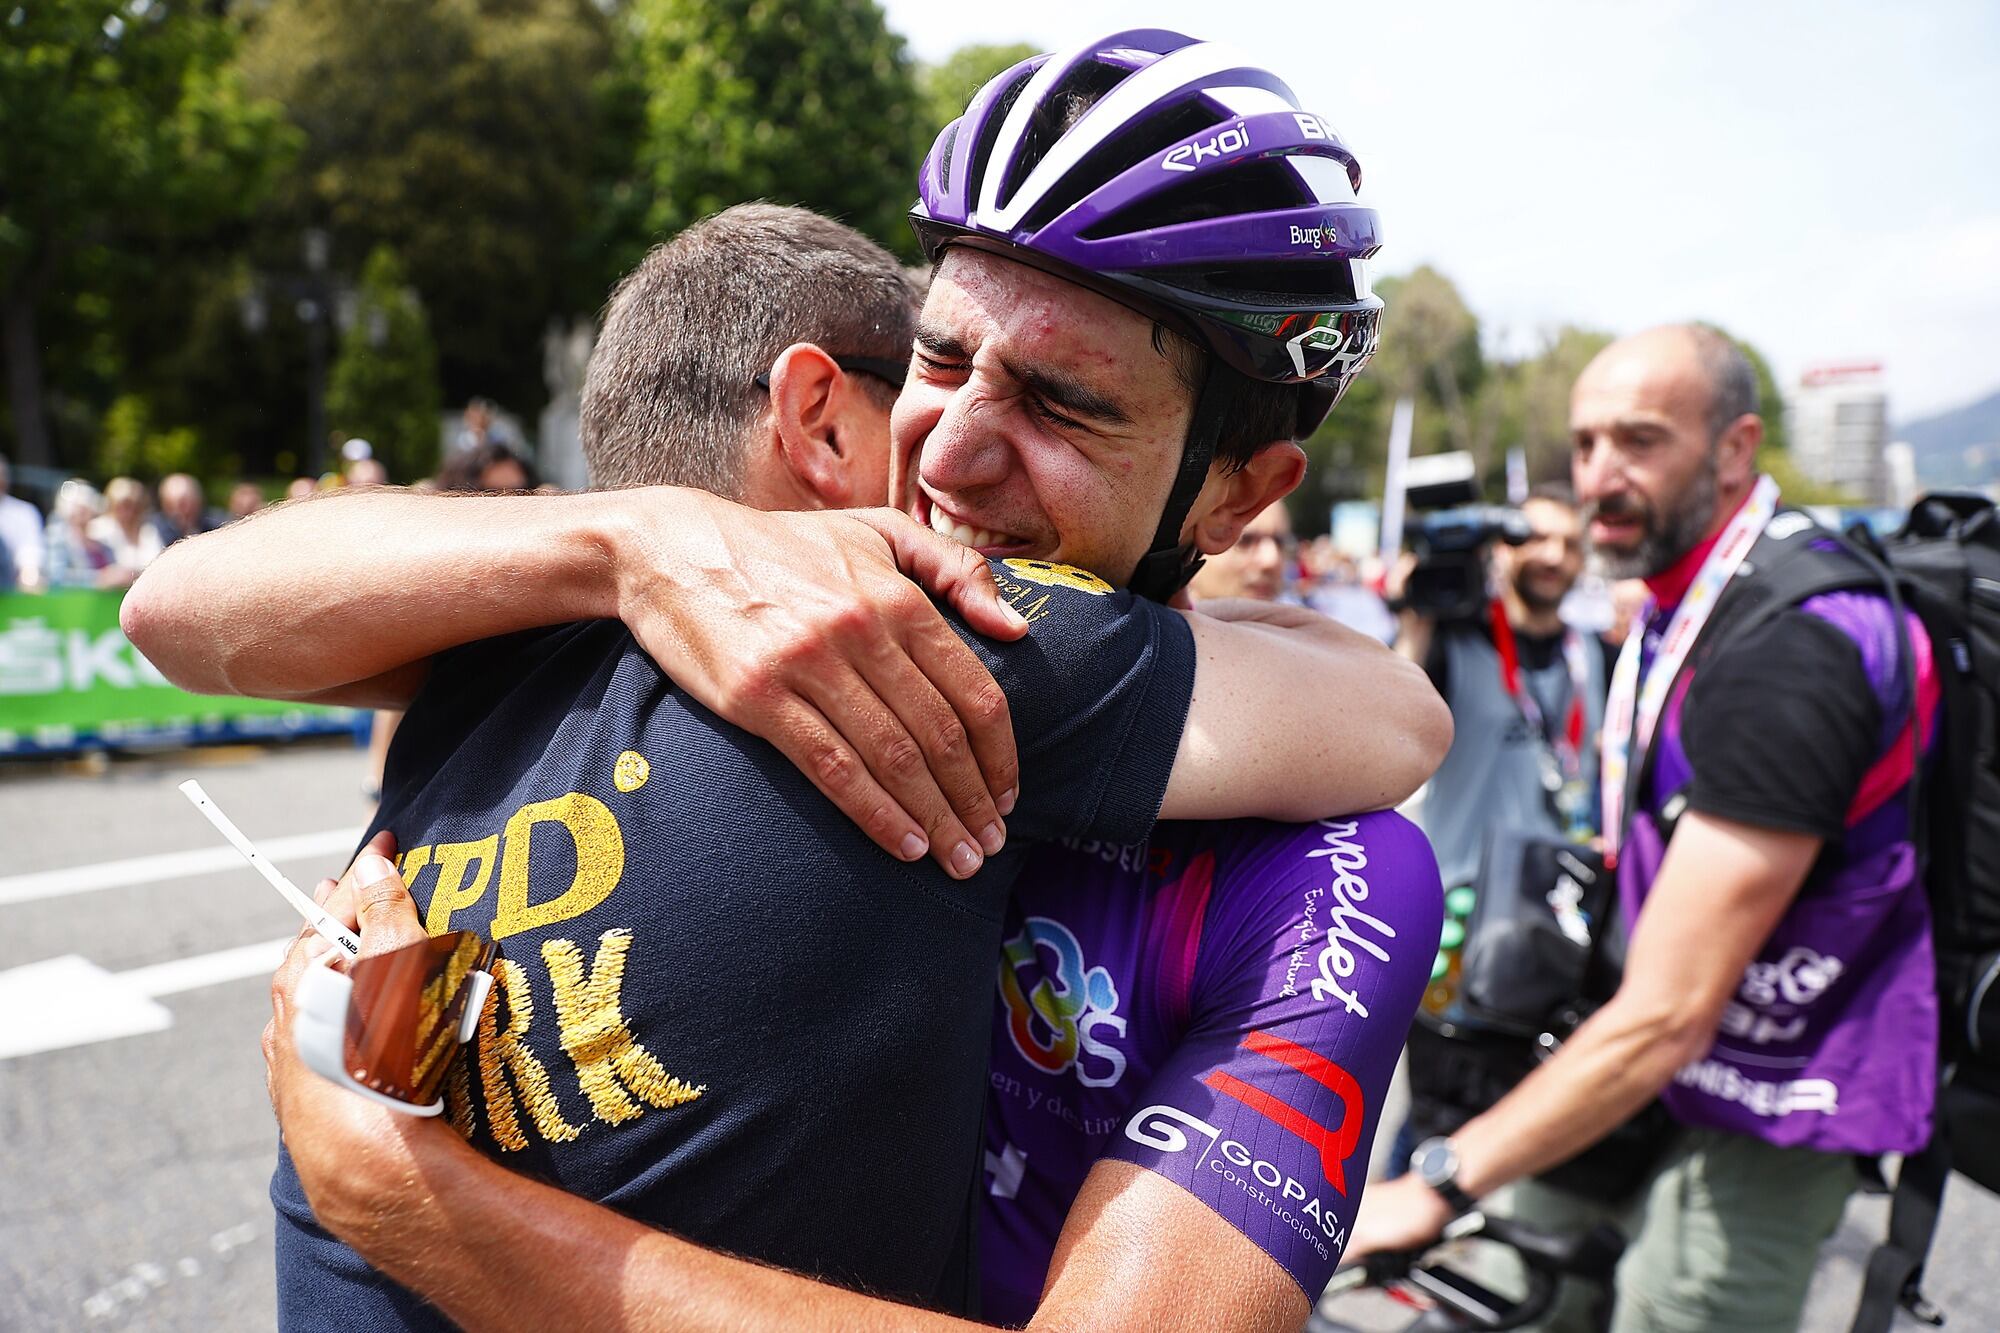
(316, 916)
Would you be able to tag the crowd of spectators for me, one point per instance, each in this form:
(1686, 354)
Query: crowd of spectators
(102, 539)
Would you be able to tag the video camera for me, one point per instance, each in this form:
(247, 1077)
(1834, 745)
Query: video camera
(1451, 536)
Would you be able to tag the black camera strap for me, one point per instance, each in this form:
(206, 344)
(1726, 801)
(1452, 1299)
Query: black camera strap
(1560, 751)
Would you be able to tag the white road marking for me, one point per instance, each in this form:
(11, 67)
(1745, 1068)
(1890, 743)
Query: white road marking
(207, 969)
(71, 1001)
(146, 1277)
(170, 865)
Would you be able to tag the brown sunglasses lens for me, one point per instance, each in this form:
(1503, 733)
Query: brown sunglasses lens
(404, 1014)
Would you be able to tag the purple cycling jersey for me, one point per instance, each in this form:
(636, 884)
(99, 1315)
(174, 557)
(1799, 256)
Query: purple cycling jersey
(1223, 1005)
(1831, 1040)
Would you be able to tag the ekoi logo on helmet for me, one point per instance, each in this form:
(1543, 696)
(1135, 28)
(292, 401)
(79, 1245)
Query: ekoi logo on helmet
(1334, 1145)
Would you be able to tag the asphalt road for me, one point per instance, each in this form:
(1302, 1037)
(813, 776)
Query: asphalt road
(135, 1141)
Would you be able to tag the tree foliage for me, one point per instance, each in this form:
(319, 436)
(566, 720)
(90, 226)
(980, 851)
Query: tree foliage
(132, 443)
(459, 132)
(384, 384)
(128, 136)
(947, 87)
(1429, 351)
(1533, 399)
(809, 102)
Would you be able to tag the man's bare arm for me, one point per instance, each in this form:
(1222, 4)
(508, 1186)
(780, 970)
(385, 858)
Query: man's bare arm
(343, 598)
(1298, 717)
(1721, 892)
(800, 628)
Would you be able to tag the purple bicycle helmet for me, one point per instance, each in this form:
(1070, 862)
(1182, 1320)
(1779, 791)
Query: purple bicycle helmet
(1194, 190)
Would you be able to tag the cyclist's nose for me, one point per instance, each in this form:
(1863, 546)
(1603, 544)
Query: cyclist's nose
(967, 448)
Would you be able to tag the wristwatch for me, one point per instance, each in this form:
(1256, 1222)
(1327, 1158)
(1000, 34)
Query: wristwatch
(1435, 1162)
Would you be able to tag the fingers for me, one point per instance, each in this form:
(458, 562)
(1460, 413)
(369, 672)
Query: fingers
(804, 736)
(283, 982)
(944, 698)
(958, 574)
(952, 669)
(383, 907)
(905, 767)
(979, 707)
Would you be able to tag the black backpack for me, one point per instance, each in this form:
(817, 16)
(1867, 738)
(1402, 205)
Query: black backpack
(1944, 565)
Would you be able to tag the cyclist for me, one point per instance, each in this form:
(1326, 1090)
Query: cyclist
(1317, 928)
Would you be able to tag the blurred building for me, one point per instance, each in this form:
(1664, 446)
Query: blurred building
(1840, 429)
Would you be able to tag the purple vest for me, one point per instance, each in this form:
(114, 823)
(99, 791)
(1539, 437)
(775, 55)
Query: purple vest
(1830, 1042)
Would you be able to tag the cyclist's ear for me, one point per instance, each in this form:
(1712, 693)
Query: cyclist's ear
(1235, 495)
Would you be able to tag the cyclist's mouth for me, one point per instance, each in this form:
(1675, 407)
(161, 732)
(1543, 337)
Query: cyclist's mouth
(986, 541)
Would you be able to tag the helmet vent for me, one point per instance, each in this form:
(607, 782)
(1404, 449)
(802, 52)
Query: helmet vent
(996, 116)
(949, 142)
(1065, 104)
(1255, 187)
(1119, 154)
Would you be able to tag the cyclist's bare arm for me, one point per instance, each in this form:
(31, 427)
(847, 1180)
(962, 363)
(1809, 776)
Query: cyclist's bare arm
(1296, 717)
(798, 627)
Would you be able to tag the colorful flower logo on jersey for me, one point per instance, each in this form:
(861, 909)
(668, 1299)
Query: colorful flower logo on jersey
(1054, 1021)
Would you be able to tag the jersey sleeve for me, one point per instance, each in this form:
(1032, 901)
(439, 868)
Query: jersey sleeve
(1098, 690)
(1781, 727)
(1315, 947)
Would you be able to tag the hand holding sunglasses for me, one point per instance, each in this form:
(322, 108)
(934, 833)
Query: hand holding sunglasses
(389, 1024)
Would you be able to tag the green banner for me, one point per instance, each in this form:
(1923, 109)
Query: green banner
(70, 679)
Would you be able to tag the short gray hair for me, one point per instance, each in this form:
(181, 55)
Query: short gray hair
(671, 392)
(1732, 381)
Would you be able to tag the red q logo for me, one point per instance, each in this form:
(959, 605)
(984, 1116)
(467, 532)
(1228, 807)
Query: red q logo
(1334, 1146)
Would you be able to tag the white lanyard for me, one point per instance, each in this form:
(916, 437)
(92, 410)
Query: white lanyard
(1621, 716)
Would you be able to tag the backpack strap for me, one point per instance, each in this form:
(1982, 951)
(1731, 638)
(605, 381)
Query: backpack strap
(1896, 1266)
(1787, 566)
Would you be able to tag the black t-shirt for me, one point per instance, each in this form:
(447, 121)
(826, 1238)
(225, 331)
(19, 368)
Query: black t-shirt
(724, 1011)
(1781, 728)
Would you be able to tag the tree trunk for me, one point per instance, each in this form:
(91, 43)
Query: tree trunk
(22, 350)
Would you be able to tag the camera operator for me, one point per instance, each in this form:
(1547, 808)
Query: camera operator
(1526, 692)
